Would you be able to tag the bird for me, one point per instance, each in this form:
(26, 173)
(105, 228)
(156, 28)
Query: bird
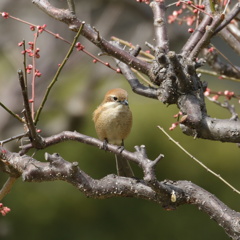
(113, 123)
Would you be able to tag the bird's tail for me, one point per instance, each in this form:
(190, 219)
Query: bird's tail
(123, 167)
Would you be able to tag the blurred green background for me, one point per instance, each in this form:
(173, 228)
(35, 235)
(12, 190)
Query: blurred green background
(56, 210)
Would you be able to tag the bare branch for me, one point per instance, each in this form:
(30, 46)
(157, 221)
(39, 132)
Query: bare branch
(34, 137)
(228, 106)
(230, 16)
(71, 6)
(231, 40)
(17, 137)
(224, 130)
(206, 36)
(222, 68)
(196, 36)
(12, 113)
(55, 78)
(199, 162)
(116, 186)
(7, 187)
(161, 37)
(136, 86)
(92, 35)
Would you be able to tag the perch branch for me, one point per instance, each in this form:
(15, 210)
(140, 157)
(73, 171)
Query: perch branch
(167, 194)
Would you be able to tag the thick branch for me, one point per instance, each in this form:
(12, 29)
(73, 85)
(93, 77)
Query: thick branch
(196, 122)
(206, 36)
(168, 194)
(196, 36)
(224, 130)
(92, 35)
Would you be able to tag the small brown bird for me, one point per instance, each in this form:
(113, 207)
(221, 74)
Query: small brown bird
(113, 123)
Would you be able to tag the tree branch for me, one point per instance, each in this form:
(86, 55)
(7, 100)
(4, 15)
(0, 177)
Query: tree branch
(219, 66)
(34, 137)
(230, 16)
(167, 194)
(55, 78)
(205, 39)
(230, 40)
(161, 37)
(196, 36)
(136, 86)
(66, 16)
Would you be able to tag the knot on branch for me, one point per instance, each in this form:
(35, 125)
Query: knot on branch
(176, 76)
(180, 84)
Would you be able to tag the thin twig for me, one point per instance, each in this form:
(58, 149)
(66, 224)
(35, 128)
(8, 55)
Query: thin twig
(226, 7)
(227, 106)
(212, 73)
(148, 56)
(140, 75)
(199, 162)
(7, 187)
(230, 16)
(57, 74)
(18, 137)
(34, 25)
(35, 138)
(33, 74)
(27, 111)
(24, 62)
(12, 113)
(219, 52)
(71, 6)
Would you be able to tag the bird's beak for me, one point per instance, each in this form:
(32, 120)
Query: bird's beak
(124, 102)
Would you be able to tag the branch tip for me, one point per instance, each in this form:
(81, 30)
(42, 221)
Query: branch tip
(159, 158)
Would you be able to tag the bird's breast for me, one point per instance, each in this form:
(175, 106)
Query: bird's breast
(114, 123)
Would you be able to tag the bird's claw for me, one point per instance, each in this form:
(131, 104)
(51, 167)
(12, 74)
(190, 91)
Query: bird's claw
(121, 148)
(105, 145)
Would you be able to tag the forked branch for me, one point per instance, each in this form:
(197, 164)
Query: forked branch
(168, 194)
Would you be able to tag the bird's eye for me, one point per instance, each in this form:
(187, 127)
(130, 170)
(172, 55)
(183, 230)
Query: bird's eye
(115, 98)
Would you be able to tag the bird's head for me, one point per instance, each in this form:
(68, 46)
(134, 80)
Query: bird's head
(116, 95)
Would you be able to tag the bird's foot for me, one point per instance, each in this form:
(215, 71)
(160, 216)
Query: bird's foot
(121, 148)
(105, 145)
